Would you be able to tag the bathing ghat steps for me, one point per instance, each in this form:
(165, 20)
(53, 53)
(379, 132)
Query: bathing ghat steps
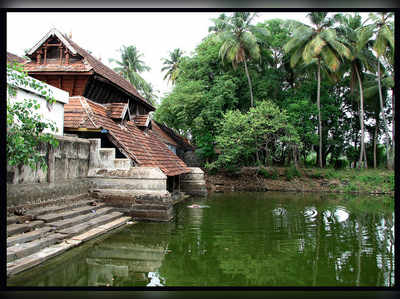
(46, 232)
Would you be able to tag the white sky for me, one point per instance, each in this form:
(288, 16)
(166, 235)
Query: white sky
(154, 34)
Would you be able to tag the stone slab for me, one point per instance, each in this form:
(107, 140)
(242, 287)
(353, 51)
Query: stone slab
(69, 214)
(22, 250)
(60, 208)
(65, 223)
(101, 229)
(37, 258)
(17, 228)
(80, 228)
(29, 236)
(32, 260)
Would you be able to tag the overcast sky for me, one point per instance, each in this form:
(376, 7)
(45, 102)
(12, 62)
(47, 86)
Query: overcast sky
(154, 34)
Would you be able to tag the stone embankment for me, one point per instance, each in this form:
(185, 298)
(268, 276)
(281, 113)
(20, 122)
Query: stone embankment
(193, 183)
(47, 231)
(140, 192)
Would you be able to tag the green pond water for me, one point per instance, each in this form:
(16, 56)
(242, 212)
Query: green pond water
(239, 239)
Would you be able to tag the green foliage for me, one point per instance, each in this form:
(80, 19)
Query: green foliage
(268, 174)
(241, 135)
(25, 126)
(207, 89)
(130, 67)
(171, 65)
(291, 173)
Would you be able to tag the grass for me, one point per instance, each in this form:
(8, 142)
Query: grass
(291, 172)
(268, 174)
(354, 180)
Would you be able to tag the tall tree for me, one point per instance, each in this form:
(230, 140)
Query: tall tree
(130, 66)
(357, 38)
(171, 65)
(317, 44)
(219, 24)
(239, 43)
(384, 39)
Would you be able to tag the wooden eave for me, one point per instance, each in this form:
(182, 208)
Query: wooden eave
(105, 80)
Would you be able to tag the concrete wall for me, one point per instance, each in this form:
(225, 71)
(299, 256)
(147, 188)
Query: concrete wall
(136, 178)
(67, 169)
(69, 160)
(54, 112)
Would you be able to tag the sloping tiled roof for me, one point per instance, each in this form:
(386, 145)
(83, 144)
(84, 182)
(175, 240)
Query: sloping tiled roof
(14, 58)
(75, 115)
(141, 120)
(161, 134)
(145, 149)
(116, 110)
(89, 63)
(180, 140)
(108, 73)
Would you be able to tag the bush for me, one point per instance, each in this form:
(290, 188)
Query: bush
(316, 175)
(232, 171)
(291, 173)
(272, 174)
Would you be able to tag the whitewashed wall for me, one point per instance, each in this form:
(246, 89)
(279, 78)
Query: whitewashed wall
(54, 112)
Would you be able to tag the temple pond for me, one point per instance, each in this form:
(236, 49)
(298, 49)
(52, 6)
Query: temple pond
(239, 239)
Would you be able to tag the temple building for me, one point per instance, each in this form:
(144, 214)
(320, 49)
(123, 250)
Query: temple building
(106, 106)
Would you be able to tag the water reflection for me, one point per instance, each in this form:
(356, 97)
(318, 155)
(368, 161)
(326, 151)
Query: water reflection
(262, 239)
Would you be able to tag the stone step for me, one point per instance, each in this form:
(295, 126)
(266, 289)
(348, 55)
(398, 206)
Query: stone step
(60, 208)
(12, 219)
(34, 259)
(65, 223)
(99, 230)
(146, 207)
(27, 237)
(22, 250)
(80, 228)
(70, 213)
(17, 228)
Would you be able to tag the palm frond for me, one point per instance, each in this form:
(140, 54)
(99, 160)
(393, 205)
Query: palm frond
(330, 59)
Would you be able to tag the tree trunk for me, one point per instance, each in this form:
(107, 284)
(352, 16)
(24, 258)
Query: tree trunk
(375, 137)
(361, 118)
(393, 125)
(266, 155)
(319, 113)
(383, 117)
(365, 158)
(248, 79)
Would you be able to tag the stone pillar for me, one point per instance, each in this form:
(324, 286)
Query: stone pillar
(193, 183)
(94, 156)
(51, 164)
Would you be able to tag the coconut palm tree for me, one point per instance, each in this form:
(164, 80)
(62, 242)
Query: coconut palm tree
(219, 24)
(357, 38)
(384, 40)
(171, 65)
(317, 44)
(130, 66)
(239, 44)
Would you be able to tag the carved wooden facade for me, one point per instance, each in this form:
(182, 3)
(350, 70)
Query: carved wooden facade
(60, 62)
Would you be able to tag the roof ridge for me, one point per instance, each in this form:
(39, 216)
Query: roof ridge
(85, 53)
(87, 109)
